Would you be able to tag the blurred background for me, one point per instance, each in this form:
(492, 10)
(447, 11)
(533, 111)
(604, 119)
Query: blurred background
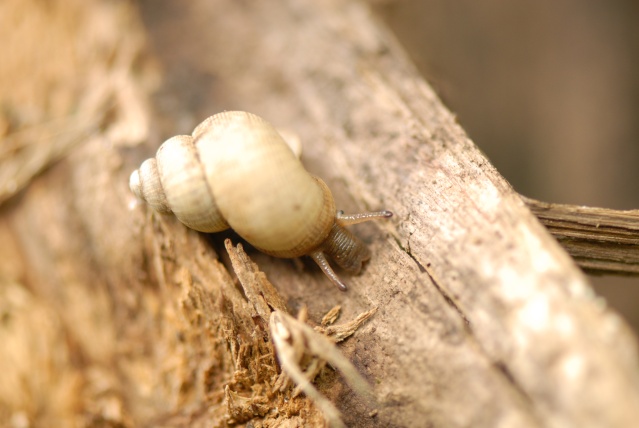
(548, 90)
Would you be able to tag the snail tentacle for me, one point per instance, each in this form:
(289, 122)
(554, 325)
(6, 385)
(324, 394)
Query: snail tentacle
(321, 261)
(349, 219)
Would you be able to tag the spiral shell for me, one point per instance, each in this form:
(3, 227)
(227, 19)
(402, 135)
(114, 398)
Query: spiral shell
(236, 171)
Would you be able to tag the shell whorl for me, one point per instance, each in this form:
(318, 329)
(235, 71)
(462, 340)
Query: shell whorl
(145, 184)
(260, 187)
(174, 181)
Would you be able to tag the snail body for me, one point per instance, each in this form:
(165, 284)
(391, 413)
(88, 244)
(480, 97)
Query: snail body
(235, 171)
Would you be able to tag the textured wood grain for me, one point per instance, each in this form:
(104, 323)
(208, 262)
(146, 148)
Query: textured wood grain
(600, 240)
(483, 319)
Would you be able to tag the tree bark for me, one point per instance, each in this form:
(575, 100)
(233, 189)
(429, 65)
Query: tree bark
(129, 318)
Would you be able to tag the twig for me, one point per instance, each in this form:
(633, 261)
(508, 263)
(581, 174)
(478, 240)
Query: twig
(601, 240)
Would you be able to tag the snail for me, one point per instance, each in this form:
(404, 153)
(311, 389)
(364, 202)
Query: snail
(235, 171)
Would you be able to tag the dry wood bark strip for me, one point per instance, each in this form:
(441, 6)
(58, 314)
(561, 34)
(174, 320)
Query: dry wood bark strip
(600, 240)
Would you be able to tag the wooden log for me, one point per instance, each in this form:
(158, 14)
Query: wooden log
(483, 319)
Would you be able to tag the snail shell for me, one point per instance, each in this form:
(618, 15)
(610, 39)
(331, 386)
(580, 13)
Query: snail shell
(236, 171)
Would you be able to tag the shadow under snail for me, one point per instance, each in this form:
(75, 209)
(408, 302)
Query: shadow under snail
(235, 171)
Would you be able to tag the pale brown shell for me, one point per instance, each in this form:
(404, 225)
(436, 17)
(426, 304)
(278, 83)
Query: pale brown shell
(236, 170)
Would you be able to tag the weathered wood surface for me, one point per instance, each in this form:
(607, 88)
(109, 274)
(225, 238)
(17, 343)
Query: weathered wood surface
(483, 319)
